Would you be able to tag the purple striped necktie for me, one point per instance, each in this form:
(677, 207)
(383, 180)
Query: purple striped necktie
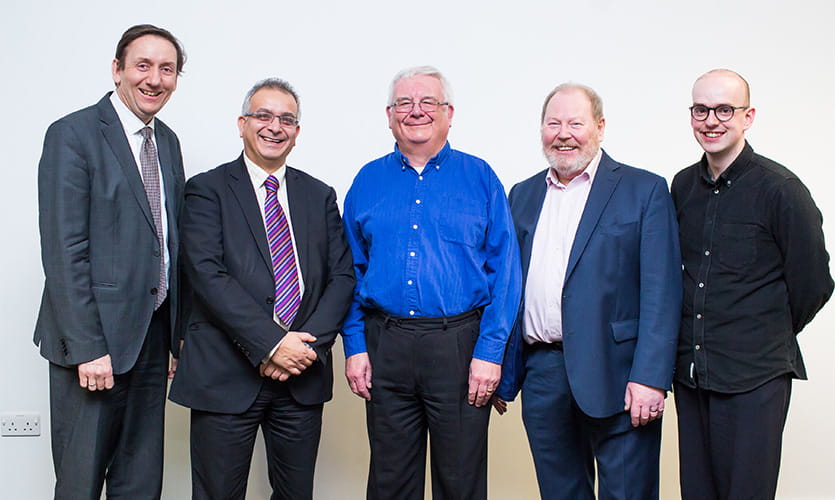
(150, 177)
(287, 296)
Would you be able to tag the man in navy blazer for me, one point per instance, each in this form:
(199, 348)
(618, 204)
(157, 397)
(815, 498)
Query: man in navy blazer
(594, 344)
(242, 367)
(110, 187)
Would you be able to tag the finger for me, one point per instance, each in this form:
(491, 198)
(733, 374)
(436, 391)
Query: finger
(635, 415)
(109, 382)
(645, 415)
(306, 337)
(627, 402)
(283, 376)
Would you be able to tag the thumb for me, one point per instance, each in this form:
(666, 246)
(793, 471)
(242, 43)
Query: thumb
(627, 400)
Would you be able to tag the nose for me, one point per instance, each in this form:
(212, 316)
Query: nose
(711, 120)
(562, 133)
(154, 77)
(416, 110)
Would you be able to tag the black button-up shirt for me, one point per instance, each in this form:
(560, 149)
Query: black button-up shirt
(755, 272)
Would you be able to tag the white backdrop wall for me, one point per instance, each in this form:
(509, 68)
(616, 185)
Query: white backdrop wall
(641, 56)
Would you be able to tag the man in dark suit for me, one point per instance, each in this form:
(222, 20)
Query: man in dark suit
(594, 344)
(272, 279)
(110, 184)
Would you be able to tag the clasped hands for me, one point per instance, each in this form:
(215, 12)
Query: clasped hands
(292, 357)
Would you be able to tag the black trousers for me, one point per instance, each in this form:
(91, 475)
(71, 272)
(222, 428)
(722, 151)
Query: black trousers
(730, 444)
(420, 373)
(113, 436)
(222, 444)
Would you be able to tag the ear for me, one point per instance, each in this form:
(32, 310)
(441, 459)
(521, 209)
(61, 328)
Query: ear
(241, 122)
(450, 112)
(750, 113)
(601, 127)
(114, 70)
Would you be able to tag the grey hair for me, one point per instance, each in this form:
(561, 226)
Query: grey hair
(594, 98)
(271, 83)
(432, 71)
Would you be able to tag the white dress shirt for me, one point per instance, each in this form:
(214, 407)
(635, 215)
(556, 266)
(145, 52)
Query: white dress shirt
(554, 236)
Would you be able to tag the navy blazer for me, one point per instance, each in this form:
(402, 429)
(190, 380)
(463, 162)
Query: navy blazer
(622, 292)
(227, 263)
(99, 246)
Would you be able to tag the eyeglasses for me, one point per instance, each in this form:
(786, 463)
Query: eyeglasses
(287, 120)
(427, 105)
(723, 112)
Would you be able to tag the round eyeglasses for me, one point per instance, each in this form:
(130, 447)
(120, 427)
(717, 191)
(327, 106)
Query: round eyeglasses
(427, 105)
(267, 117)
(723, 112)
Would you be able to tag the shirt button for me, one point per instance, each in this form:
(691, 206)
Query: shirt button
(409, 282)
(417, 201)
(414, 226)
(701, 285)
(707, 252)
(420, 177)
(411, 254)
(698, 347)
(411, 313)
(728, 183)
(715, 191)
(698, 316)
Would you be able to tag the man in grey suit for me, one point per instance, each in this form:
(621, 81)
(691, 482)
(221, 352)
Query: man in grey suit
(110, 186)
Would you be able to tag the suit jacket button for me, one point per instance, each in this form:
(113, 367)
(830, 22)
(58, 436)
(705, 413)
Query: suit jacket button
(156, 253)
(154, 291)
(270, 300)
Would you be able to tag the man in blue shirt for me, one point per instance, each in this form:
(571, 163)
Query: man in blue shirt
(438, 287)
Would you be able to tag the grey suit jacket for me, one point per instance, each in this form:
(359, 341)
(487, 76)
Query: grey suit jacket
(99, 247)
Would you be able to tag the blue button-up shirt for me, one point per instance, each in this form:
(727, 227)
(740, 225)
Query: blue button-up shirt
(433, 244)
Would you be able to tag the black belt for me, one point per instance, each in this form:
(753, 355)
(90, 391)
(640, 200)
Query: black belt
(424, 322)
(545, 346)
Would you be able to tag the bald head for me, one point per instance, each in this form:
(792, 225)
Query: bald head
(727, 79)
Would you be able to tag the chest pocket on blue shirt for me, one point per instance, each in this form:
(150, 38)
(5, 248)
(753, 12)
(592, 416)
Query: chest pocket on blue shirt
(463, 221)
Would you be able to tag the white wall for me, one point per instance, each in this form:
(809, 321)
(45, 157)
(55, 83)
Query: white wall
(502, 58)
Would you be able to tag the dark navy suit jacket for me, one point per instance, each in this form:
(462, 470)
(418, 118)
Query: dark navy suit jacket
(622, 292)
(228, 267)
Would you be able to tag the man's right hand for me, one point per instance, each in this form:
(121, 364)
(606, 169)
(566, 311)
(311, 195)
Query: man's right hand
(96, 375)
(358, 373)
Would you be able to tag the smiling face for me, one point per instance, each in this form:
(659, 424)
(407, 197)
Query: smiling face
(722, 141)
(571, 136)
(418, 131)
(148, 75)
(268, 144)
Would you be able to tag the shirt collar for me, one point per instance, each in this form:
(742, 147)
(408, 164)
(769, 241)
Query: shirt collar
(735, 170)
(258, 175)
(587, 174)
(130, 122)
(435, 161)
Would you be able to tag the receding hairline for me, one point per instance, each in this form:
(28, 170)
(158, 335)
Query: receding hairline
(594, 98)
(732, 74)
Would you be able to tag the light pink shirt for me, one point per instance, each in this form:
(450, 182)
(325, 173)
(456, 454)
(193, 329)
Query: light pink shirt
(552, 241)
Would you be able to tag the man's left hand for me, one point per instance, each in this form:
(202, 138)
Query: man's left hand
(484, 377)
(644, 403)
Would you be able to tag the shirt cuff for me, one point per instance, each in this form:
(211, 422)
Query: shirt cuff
(272, 351)
(489, 350)
(354, 344)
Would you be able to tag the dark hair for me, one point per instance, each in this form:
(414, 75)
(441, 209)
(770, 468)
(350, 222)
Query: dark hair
(141, 30)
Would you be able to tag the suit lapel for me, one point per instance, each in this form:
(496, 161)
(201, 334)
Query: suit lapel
(300, 215)
(241, 187)
(529, 212)
(114, 134)
(605, 181)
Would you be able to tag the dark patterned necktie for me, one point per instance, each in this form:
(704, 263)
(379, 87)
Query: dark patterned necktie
(150, 177)
(287, 296)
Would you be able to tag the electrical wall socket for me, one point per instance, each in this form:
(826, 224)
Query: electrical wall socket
(20, 424)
